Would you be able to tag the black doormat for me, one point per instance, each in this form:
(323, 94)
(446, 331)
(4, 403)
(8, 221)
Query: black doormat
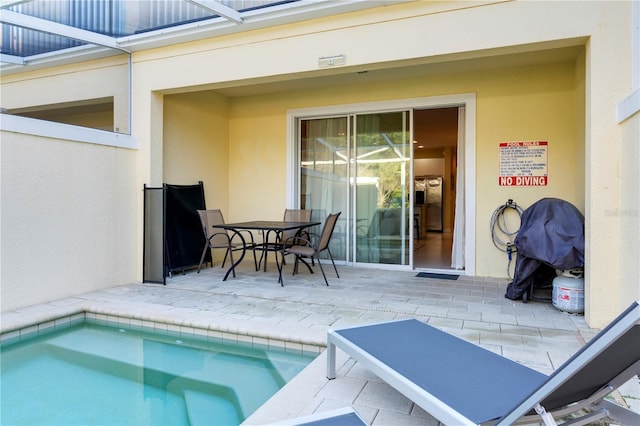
(437, 276)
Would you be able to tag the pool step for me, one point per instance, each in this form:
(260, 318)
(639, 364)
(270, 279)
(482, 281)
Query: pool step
(162, 362)
(202, 409)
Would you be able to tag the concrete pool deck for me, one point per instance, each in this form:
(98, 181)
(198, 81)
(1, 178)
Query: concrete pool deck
(254, 304)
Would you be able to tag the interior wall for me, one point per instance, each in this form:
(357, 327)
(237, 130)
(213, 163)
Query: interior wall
(439, 167)
(428, 166)
(69, 211)
(196, 144)
(436, 129)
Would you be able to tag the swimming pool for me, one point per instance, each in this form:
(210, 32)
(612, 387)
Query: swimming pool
(95, 372)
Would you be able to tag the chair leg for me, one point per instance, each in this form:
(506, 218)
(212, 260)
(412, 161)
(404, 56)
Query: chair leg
(204, 252)
(334, 263)
(255, 260)
(230, 253)
(295, 264)
(260, 261)
(225, 257)
(305, 263)
(280, 266)
(323, 275)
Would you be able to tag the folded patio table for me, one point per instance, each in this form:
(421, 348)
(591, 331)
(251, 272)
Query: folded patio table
(266, 226)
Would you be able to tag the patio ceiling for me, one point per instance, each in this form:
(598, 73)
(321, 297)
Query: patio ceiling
(42, 33)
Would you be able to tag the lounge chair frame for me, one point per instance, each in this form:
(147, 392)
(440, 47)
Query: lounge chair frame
(609, 360)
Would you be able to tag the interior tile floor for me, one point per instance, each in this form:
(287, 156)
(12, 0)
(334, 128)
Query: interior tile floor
(535, 334)
(432, 250)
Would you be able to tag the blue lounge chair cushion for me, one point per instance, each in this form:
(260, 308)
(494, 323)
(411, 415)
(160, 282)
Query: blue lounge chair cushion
(339, 417)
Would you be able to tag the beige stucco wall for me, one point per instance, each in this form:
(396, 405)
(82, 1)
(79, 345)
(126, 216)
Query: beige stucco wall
(629, 211)
(196, 144)
(522, 103)
(573, 108)
(68, 218)
(106, 78)
(593, 159)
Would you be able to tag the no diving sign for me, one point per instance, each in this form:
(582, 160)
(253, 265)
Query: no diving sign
(523, 163)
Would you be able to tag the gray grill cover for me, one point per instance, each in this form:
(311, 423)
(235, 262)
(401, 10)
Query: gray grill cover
(551, 235)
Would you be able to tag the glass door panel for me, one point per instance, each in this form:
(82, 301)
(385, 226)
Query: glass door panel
(380, 160)
(359, 165)
(324, 174)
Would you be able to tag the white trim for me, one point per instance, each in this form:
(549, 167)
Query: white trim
(71, 55)
(635, 44)
(49, 129)
(628, 107)
(465, 99)
(11, 59)
(631, 105)
(470, 185)
(291, 155)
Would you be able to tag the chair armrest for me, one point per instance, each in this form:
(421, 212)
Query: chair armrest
(301, 241)
(219, 233)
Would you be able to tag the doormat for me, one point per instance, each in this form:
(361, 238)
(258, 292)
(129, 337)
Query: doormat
(437, 276)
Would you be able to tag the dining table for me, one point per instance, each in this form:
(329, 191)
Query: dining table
(276, 227)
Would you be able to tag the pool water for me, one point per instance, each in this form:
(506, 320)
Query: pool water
(94, 374)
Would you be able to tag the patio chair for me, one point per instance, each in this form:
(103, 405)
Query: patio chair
(308, 248)
(220, 238)
(290, 215)
(338, 417)
(461, 383)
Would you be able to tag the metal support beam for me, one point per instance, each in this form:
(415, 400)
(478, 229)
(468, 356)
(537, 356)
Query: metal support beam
(219, 9)
(30, 22)
(9, 3)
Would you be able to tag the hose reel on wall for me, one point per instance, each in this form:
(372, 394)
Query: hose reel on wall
(501, 230)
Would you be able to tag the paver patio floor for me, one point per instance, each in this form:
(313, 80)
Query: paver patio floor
(535, 334)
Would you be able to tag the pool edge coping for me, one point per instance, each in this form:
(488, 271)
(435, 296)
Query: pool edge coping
(63, 318)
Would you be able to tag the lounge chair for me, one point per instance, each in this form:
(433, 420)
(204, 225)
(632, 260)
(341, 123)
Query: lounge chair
(338, 417)
(460, 383)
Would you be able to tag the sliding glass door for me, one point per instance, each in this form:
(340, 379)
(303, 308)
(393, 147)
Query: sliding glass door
(359, 164)
(381, 159)
(324, 174)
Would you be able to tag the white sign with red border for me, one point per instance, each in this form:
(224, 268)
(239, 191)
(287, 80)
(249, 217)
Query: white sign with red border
(523, 163)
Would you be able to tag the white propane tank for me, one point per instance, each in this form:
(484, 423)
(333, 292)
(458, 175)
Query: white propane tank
(568, 293)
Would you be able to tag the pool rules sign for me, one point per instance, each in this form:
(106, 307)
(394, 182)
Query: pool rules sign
(523, 163)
